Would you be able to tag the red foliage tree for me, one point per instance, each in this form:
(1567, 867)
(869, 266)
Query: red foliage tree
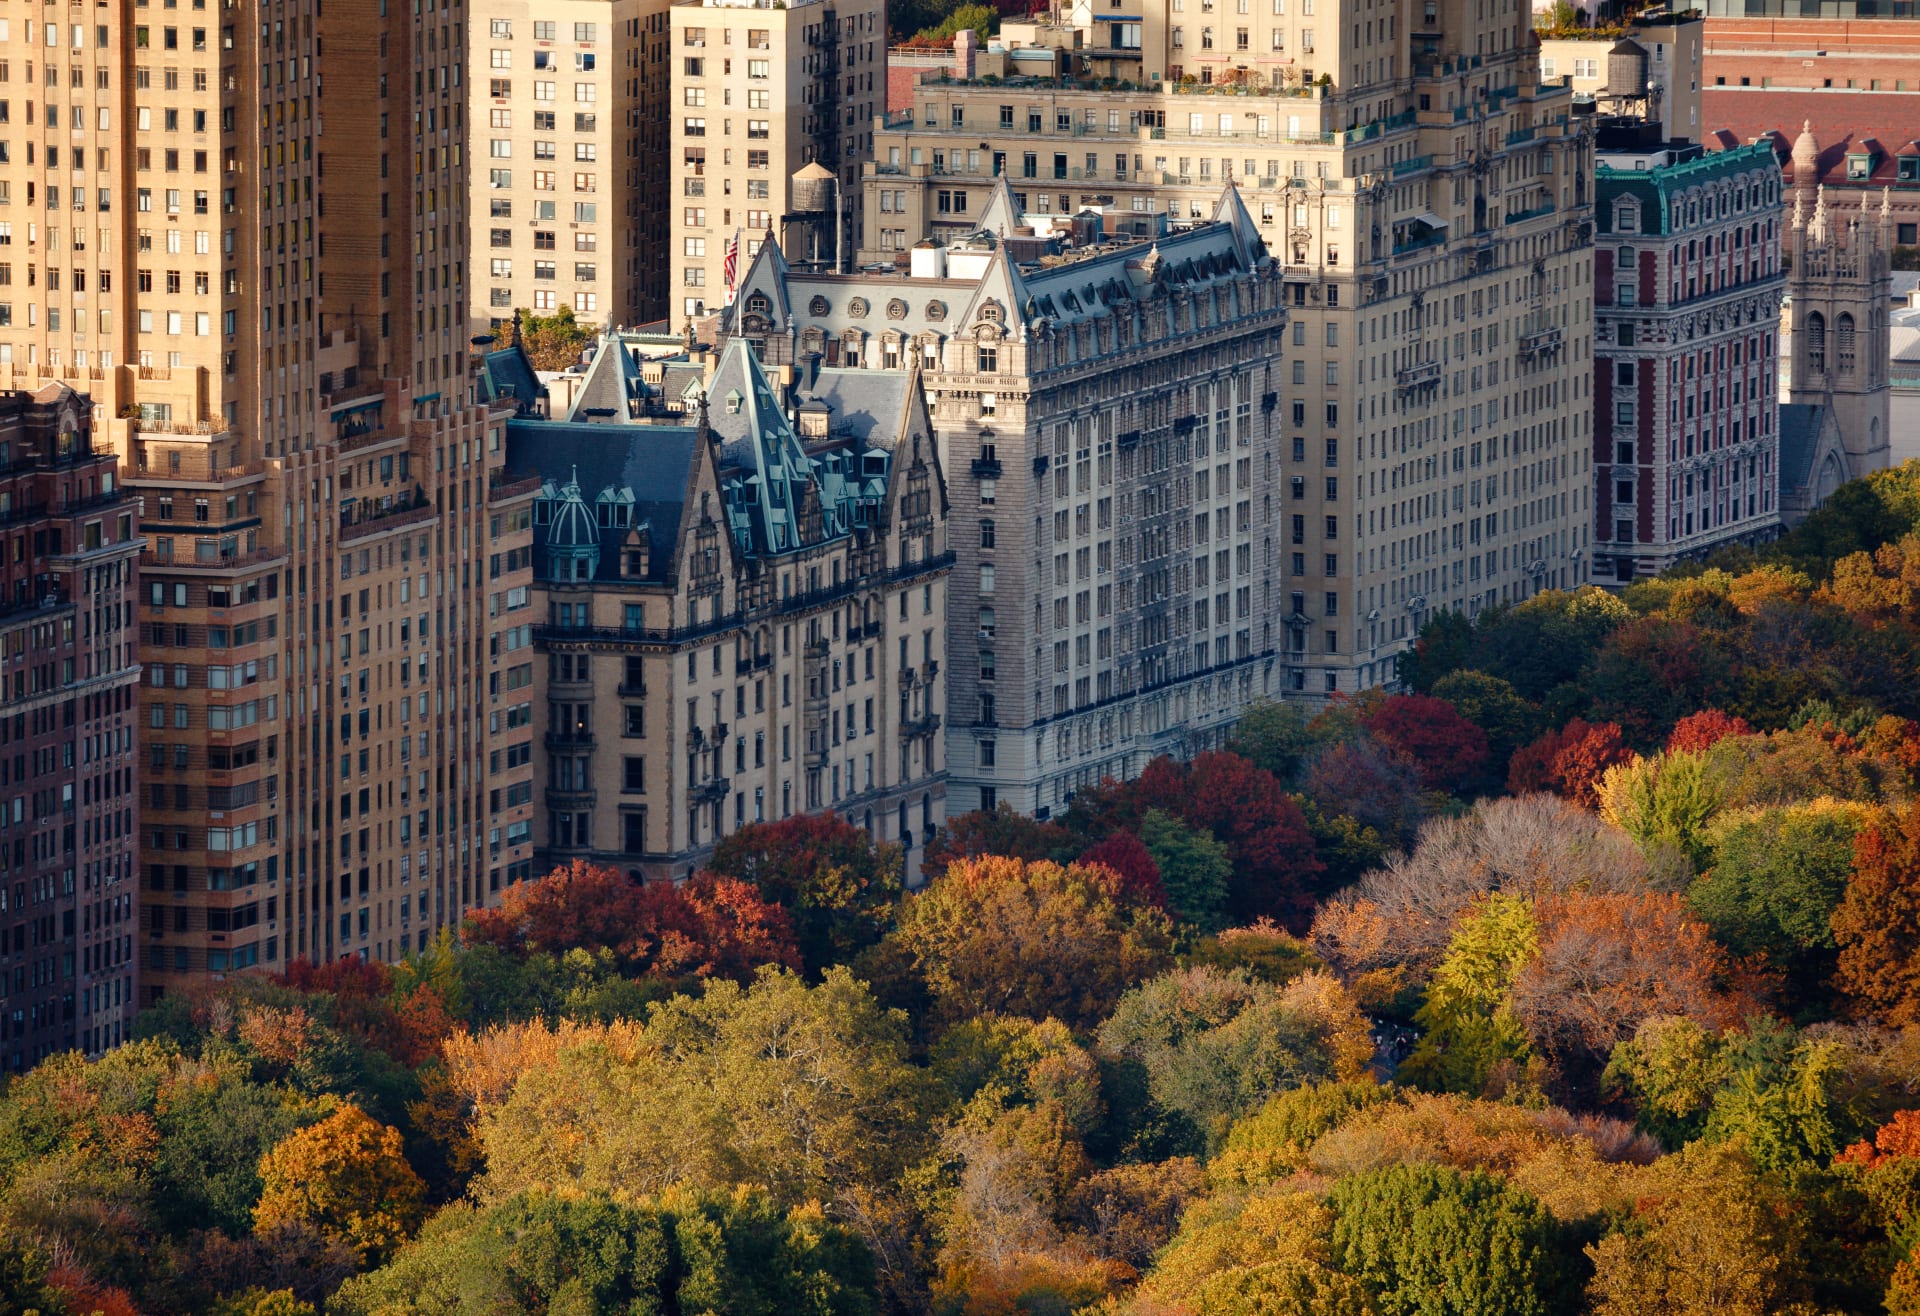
(1242, 806)
(705, 926)
(838, 886)
(1445, 746)
(1703, 730)
(84, 1294)
(1570, 761)
(1136, 876)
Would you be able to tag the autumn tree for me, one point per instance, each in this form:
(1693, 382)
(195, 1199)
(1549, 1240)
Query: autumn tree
(1275, 736)
(1131, 861)
(805, 1089)
(1372, 783)
(1697, 732)
(1877, 923)
(1470, 1028)
(702, 927)
(1445, 746)
(1664, 802)
(1570, 761)
(1001, 830)
(552, 342)
(348, 1175)
(838, 885)
(1707, 1235)
(997, 935)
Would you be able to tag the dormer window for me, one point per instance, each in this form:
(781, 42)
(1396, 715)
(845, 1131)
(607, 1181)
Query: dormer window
(1859, 166)
(1910, 169)
(1626, 216)
(733, 402)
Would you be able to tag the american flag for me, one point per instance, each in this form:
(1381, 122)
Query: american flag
(728, 265)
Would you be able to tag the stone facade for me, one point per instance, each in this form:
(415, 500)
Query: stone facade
(743, 588)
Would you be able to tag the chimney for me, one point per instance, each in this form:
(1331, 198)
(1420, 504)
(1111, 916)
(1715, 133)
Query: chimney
(965, 46)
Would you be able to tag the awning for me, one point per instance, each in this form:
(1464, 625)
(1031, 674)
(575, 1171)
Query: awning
(1430, 219)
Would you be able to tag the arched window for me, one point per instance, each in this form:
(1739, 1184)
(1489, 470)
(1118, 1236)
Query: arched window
(1817, 342)
(1843, 343)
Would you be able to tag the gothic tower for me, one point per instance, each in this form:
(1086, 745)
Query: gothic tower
(1839, 289)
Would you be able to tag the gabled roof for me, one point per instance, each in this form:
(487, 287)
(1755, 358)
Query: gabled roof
(613, 387)
(1001, 215)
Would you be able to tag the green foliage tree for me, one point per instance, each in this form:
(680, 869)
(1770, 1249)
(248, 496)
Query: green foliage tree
(1493, 705)
(1665, 803)
(1194, 869)
(984, 20)
(1777, 876)
(1425, 1238)
(683, 1252)
(1275, 735)
(552, 342)
(1468, 1019)
(1216, 1045)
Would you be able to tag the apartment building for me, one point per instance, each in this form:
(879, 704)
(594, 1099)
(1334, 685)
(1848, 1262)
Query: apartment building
(69, 682)
(1648, 68)
(568, 107)
(1688, 283)
(764, 90)
(742, 589)
(1429, 202)
(1109, 412)
(318, 622)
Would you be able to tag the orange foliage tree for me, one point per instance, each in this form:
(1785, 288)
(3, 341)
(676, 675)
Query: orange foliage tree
(347, 1176)
(1877, 924)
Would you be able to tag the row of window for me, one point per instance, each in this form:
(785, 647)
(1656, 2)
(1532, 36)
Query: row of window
(543, 60)
(544, 30)
(584, 93)
(544, 120)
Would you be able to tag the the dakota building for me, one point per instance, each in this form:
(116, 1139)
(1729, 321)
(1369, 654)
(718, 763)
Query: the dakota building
(741, 585)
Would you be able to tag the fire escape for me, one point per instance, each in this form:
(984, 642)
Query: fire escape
(825, 130)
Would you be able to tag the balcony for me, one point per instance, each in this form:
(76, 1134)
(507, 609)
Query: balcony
(1541, 342)
(1424, 375)
(569, 741)
(985, 468)
(710, 791)
(924, 725)
(503, 486)
(367, 516)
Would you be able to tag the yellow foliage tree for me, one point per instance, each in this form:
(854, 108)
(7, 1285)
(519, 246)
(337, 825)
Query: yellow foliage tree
(348, 1177)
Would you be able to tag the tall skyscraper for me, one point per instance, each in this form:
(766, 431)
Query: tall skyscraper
(259, 276)
(763, 91)
(69, 678)
(567, 105)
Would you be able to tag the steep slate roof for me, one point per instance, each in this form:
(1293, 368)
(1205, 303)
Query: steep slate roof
(1799, 434)
(607, 474)
(507, 373)
(650, 462)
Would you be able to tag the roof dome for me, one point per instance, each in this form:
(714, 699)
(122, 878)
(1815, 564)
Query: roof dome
(1806, 150)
